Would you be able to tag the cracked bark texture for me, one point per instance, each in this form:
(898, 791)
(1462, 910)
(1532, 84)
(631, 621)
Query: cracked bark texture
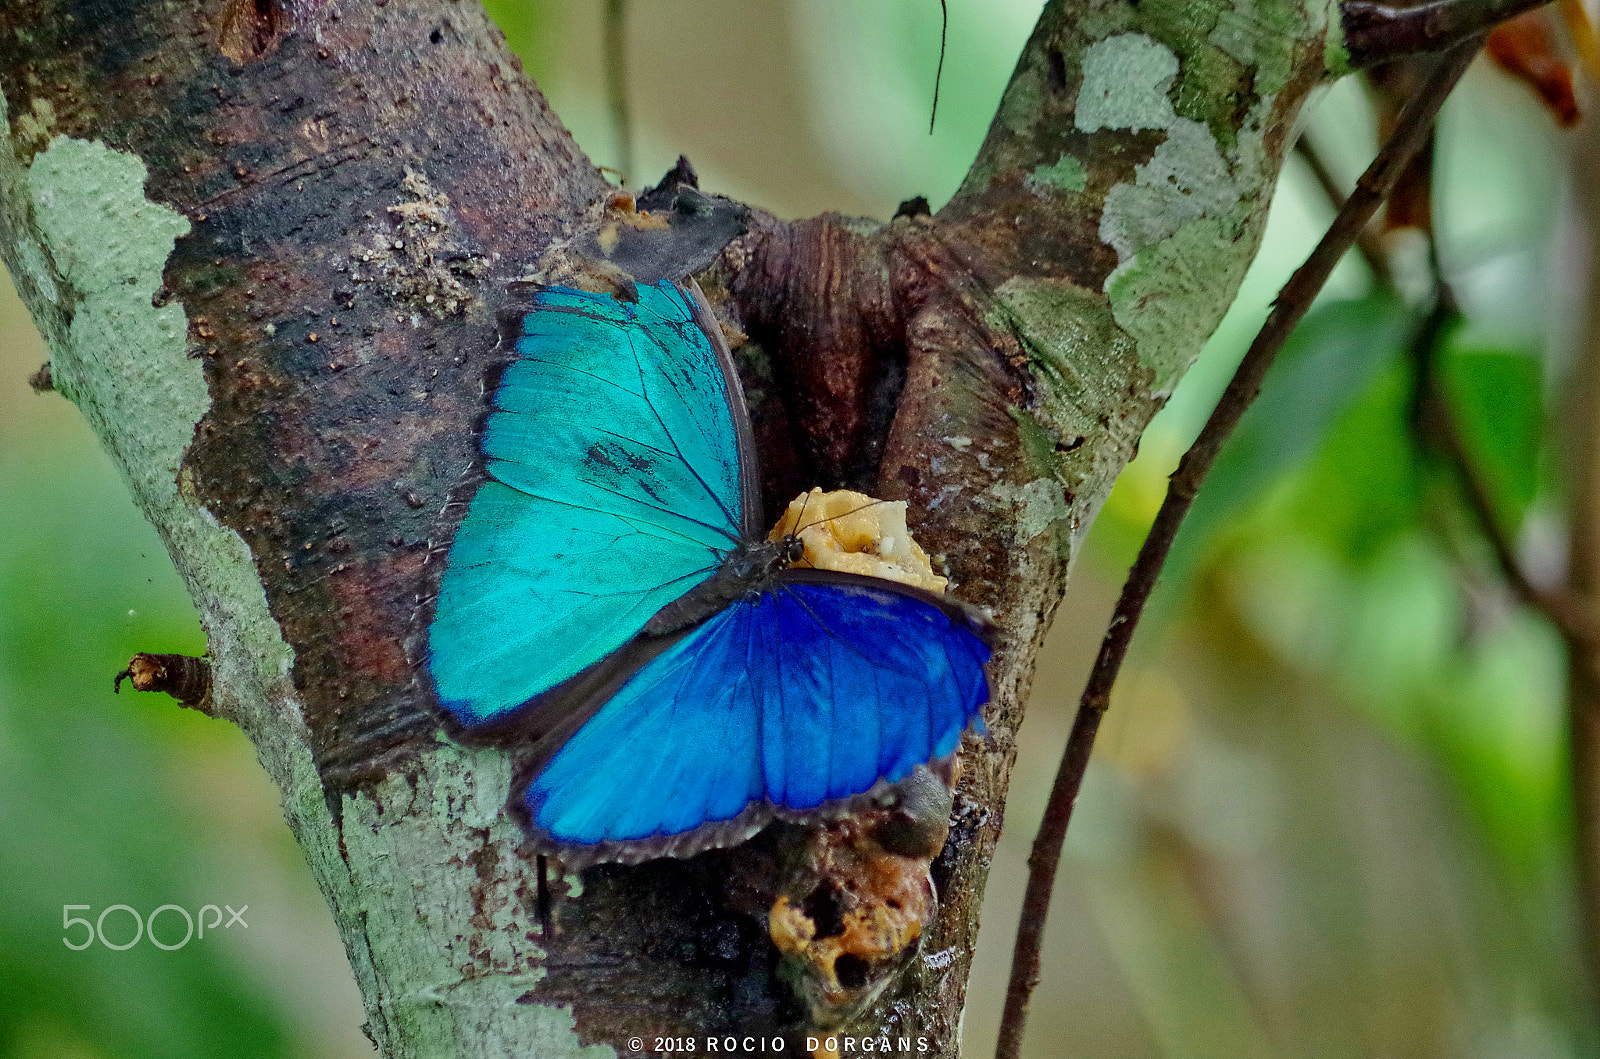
(267, 240)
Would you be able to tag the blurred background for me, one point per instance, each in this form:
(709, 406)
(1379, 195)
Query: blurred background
(1328, 815)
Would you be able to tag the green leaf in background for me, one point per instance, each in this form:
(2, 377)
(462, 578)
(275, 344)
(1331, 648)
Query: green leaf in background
(1325, 367)
(1363, 490)
(1497, 396)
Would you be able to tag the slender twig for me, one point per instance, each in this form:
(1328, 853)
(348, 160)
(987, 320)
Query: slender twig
(938, 75)
(1569, 608)
(1367, 244)
(1438, 431)
(1375, 31)
(615, 44)
(1579, 426)
(1412, 128)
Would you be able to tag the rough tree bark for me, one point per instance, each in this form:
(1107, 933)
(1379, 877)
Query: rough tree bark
(266, 240)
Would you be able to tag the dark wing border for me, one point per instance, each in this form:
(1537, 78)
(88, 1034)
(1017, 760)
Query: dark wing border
(753, 522)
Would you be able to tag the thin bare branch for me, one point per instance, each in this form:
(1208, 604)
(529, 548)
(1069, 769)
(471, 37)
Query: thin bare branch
(1293, 301)
(615, 45)
(1579, 435)
(1376, 32)
(938, 74)
(1567, 608)
(1367, 245)
(1439, 432)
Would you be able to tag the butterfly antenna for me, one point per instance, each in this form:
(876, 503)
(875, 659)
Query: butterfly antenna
(846, 514)
(800, 519)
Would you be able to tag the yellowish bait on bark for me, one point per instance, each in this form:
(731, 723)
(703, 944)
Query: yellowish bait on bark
(853, 533)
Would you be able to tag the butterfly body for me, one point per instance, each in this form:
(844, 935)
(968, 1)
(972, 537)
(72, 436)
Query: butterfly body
(743, 573)
(612, 599)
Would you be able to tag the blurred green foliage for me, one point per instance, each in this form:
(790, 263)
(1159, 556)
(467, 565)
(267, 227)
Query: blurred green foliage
(1329, 813)
(1327, 365)
(82, 820)
(1498, 394)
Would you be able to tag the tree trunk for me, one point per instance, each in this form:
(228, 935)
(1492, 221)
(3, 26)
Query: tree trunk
(266, 241)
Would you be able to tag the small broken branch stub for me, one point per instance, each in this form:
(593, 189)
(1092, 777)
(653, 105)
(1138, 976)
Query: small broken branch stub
(184, 677)
(43, 380)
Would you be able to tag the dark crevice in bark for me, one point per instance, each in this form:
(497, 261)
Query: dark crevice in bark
(817, 296)
(252, 28)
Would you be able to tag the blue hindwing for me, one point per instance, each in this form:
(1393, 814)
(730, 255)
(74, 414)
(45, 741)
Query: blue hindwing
(806, 694)
(613, 489)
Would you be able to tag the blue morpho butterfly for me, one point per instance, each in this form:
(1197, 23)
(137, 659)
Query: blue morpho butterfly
(611, 601)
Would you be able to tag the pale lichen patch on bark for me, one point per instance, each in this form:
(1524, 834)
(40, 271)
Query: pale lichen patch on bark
(1078, 353)
(1171, 297)
(89, 262)
(1185, 180)
(33, 265)
(1185, 228)
(1126, 80)
(1253, 32)
(1039, 503)
(456, 964)
(1171, 105)
(1081, 361)
(94, 252)
(110, 244)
